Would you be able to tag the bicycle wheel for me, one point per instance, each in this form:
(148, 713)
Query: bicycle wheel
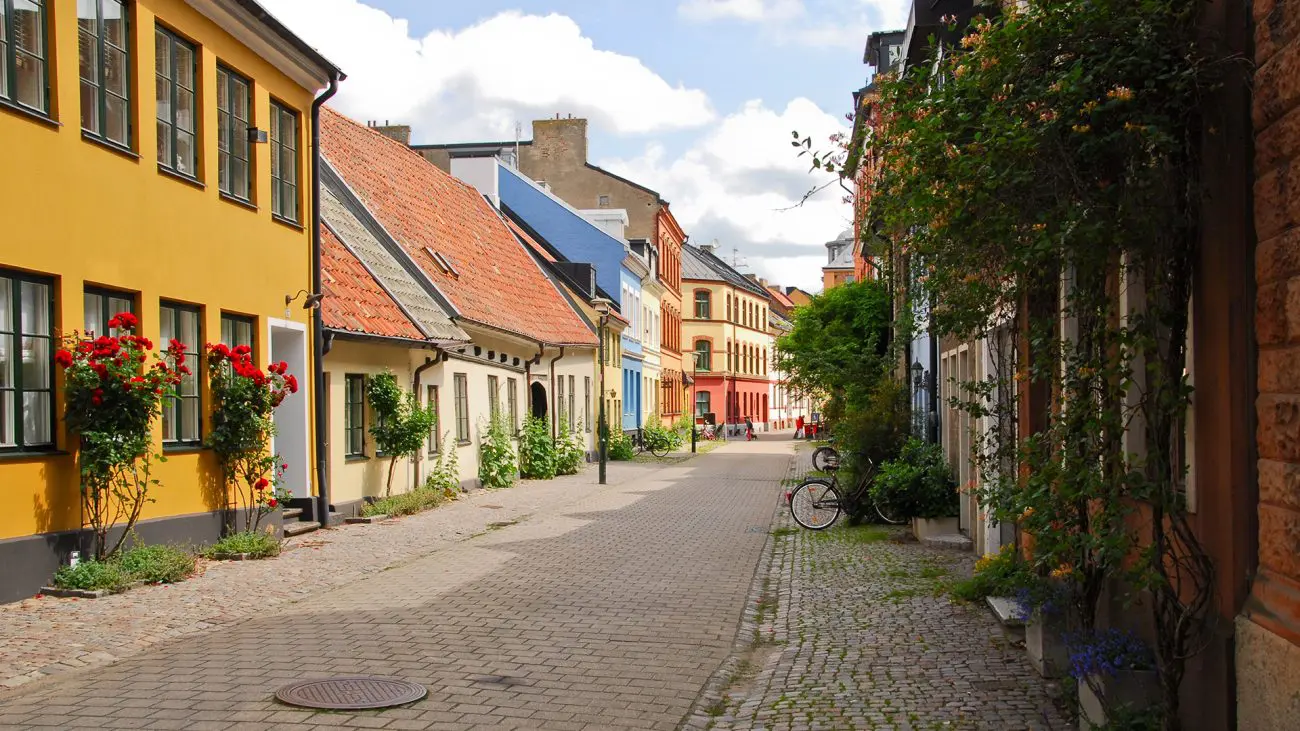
(815, 504)
(659, 450)
(886, 514)
(823, 457)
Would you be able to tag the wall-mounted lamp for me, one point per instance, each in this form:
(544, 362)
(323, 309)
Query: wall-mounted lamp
(311, 303)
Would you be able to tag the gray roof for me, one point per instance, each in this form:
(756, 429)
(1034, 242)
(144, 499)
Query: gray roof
(409, 295)
(700, 264)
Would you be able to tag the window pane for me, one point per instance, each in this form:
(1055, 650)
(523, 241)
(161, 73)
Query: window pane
(288, 165)
(169, 421)
(6, 305)
(94, 313)
(36, 308)
(28, 30)
(36, 363)
(7, 435)
(185, 110)
(118, 305)
(36, 418)
(114, 17)
(162, 54)
(6, 363)
(223, 92)
(115, 71)
(189, 422)
(239, 100)
(163, 88)
(115, 122)
(239, 177)
(29, 80)
(185, 153)
(189, 329)
(184, 64)
(164, 143)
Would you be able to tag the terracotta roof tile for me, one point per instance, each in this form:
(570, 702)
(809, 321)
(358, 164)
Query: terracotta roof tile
(495, 281)
(354, 301)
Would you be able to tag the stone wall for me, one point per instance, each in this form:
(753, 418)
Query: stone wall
(1268, 635)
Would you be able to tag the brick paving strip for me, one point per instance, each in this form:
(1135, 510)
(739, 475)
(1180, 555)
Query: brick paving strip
(851, 628)
(572, 606)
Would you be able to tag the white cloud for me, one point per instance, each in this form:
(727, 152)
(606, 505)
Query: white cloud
(478, 81)
(750, 10)
(741, 182)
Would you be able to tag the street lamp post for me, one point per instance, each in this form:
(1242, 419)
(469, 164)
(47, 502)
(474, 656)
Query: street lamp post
(695, 366)
(601, 305)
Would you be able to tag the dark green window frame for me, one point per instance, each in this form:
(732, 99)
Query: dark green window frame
(238, 330)
(12, 56)
(512, 401)
(15, 390)
(703, 304)
(170, 71)
(703, 355)
(107, 303)
(354, 415)
(494, 399)
(431, 400)
(462, 407)
(234, 159)
(106, 60)
(189, 395)
(284, 162)
(572, 399)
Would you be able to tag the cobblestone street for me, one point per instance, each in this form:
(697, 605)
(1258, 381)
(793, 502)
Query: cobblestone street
(850, 628)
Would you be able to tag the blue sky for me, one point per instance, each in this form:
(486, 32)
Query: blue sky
(694, 98)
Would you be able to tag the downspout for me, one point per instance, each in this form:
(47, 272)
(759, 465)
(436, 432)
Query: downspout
(318, 321)
(415, 388)
(555, 413)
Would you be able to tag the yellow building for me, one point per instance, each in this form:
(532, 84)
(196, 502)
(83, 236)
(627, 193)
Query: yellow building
(116, 199)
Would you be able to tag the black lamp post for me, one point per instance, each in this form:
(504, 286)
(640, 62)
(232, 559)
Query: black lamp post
(601, 305)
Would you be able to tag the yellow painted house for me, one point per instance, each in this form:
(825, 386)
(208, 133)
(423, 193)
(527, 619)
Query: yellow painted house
(157, 159)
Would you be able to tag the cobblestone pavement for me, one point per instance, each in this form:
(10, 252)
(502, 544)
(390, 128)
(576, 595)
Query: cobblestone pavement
(850, 628)
(574, 606)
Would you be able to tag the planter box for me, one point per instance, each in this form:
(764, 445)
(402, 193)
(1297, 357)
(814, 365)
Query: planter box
(232, 557)
(924, 528)
(1045, 643)
(1135, 689)
(366, 518)
(55, 591)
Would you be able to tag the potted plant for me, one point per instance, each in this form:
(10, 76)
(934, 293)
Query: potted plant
(918, 485)
(1043, 604)
(1116, 675)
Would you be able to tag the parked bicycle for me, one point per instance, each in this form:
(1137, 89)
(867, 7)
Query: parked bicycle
(654, 443)
(817, 502)
(825, 455)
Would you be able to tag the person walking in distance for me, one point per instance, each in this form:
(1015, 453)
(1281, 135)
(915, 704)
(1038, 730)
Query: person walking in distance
(749, 429)
(798, 428)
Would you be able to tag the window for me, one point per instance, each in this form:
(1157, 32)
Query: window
(26, 362)
(462, 408)
(431, 401)
(284, 163)
(559, 399)
(234, 109)
(101, 305)
(354, 415)
(602, 200)
(512, 401)
(177, 119)
(702, 304)
(586, 403)
(236, 330)
(728, 307)
(494, 404)
(104, 55)
(182, 417)
(572, 398)
(702, 405)
(703, 358)
(24, 75)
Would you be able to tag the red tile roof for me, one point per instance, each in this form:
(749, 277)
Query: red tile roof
(542, 252)
(354, 301)
(780, 297)
(427, 211)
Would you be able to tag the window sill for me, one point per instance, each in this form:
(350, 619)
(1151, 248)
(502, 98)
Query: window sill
(184, 448)
(236, 200)
(287, 222)
(356, 458)
(17, 456)
(463, 442)
(164, 170)
(110, 146)
(30, 113)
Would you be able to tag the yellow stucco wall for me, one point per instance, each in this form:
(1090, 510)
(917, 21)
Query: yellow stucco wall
(722, 330)
(86, 215)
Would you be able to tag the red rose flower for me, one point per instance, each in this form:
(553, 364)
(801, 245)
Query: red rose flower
(126, 319)
(63, 358)
(114, 323)
(292, 381)
(242, 350)
(262, 483)
(271, 503)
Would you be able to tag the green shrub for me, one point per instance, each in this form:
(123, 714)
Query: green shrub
(401, 426)
(91, 575)
(659, 438)
(407, 503)
(445, 477)
(570, 452)
(917, 484)
(497, 465)
(257, 544)
(1002, 574)
(157, 564)
(536, 450)
(620, 445)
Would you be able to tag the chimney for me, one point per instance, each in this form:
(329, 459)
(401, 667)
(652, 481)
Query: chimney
(710, 247)
(399, 132)
(561, 141)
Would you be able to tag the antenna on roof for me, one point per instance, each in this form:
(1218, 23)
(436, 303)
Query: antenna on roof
(736, 262)
(519, 130)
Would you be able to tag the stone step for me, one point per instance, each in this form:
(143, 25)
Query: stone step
(1005, 609)
(297, 529)
(291, 514)
(952, 541)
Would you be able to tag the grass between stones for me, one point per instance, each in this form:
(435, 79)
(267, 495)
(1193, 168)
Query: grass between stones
(157, 564)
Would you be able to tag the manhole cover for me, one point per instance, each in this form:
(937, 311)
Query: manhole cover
(360, 691)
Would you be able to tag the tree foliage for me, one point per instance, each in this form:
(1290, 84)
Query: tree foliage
(401, 427)
(839, 340)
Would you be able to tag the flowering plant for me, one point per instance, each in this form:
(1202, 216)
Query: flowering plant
(245, 398)
(111, 402)
(1108, 653)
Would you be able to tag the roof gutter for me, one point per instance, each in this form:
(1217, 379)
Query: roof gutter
(322, 510)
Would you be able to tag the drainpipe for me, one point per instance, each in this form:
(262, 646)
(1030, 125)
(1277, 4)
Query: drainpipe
(415, 388)
(555, 413)
(318, 323)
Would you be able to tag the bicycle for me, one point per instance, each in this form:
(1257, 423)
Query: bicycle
(817, 502)
(656, 445)
(824, 455)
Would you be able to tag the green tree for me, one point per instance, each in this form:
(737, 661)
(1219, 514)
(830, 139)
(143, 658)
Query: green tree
(839, 340)
(401, 426)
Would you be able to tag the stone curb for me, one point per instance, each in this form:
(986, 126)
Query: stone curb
(354, 520)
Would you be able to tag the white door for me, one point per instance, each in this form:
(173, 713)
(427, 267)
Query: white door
(289, 344)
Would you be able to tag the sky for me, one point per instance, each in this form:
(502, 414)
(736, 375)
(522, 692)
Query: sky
(696, 99)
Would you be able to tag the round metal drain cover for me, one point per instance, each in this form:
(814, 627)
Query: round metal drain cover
(353, 692)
